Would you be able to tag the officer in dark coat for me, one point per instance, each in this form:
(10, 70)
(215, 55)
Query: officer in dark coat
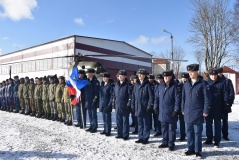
(15, 94)
(92, 99)
(10, 95)
(133, 80)
(154, 85)
(105, 105)
(121, 101)
(142, 104)
(184, 78)
(195, 106)
(80, 107)
(167, 104)
(227, 106)
(218, 99)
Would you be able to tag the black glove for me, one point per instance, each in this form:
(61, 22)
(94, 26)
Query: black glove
(148, 110)
(128, 107)
(94, 104)
(174, 113)
(156, 111)
(72, 97)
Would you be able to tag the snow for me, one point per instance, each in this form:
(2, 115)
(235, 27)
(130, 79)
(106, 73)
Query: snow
(24, 137)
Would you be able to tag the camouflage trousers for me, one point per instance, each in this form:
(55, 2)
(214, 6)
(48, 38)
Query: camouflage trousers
(22, 103)
(61, 110)
(27, 104)
(32, 105)
(68, 111)
(38, 105)
(53, 107)
(46, 107)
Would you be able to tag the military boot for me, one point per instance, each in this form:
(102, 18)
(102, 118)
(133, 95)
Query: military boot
(21, 112)
(69, 123)
(32, 114)
(51, 117)
(55, 117)
(66, 122)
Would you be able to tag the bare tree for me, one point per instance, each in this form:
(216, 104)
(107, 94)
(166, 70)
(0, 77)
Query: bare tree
(179, 54)
(235, 24)
(199, 56)
(212, 30)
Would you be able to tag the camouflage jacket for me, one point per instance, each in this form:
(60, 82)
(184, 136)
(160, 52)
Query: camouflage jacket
(66, 96)
(31, 89)
(20, 91)
(38, 91)
(59, 92)
(25, 90)
(45, 88)
(51, 92)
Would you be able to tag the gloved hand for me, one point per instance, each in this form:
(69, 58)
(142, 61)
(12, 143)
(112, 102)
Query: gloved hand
(156, 111)
(127, 107)
(94, 104)
(174, 113)
(148, 110)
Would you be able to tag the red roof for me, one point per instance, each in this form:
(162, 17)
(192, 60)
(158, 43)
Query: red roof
(229, 70)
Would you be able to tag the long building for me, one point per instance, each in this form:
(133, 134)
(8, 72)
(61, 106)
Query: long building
(48, 58)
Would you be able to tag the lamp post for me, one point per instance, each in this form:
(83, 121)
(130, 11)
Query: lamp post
(171, 46)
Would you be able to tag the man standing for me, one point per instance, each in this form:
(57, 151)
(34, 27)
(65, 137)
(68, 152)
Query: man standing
(51, 97)
(133, 80)
(227, 106)
(218, 99)
(92, 99)
(184, 78)
(15, 94)
(67, 104)
(45, 97)
(80, 107)
(167, 104)
(121, 101)
(20, 96)
(10, 95)
(26, 96)
(195, 106)
(142, 104)
(31, 97)
(105, 103)
(58, 96)
(38, 97)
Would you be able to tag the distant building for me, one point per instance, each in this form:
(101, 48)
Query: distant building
(26, 62)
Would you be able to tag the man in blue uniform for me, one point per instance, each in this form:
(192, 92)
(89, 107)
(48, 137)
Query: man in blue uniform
(142, 104)
(218, 99)
(154, 85)
(105, 105)
(15, 94)
(184, 78)
(195, 106)
(121, 101)
(92, 99)
(227, 106)
(80, 107)
(167, 104)
(133, 80)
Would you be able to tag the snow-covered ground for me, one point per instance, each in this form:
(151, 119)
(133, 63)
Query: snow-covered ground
(25, 137)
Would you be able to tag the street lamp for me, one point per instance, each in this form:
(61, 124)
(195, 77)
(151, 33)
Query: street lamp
(171, 45)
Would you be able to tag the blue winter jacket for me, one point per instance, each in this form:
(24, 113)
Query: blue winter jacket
(91, 93)
(195, 101)
(167, 100)
(142, 98)
(219, 97)
(121, 98)
(105, 94)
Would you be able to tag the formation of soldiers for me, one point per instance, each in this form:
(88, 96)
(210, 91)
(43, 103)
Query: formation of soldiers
(163, 101)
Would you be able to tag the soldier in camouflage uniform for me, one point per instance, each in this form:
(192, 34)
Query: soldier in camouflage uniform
(20, 96)
(38, 97)
(52, 103)
(26, 96)
(45, 98)
(58, 96)
(31, 97)
(67, 104)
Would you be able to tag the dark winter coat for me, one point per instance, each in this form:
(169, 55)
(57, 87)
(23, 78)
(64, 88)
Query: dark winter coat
(121, 98)
(142, 98)
(195, 101)
(92, 93)
(167, 100)
(105, 94)
(218, 98)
